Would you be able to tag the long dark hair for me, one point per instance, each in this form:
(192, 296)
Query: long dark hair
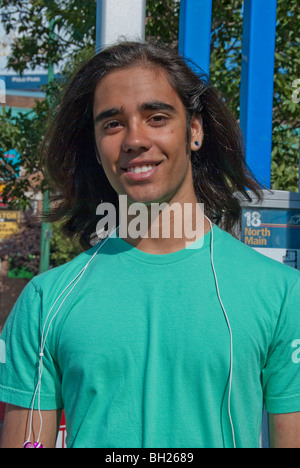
(69, 152)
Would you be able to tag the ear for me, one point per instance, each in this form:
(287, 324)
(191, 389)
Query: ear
(197, 133)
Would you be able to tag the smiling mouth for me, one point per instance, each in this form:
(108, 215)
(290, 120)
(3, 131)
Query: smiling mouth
(141, 169)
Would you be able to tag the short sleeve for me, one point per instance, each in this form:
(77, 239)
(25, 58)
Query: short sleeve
(281, 375)
(19, 356)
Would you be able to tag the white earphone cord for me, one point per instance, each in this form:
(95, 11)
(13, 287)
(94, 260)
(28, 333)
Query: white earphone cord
(43, 341)
(76, 280)
(229, 328)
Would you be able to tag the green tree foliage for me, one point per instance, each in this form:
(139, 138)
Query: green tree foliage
(162, 21)
(62, 250)
(36, 45)
(11, 137)
(286, 121)
(225, 73)
(24, 134)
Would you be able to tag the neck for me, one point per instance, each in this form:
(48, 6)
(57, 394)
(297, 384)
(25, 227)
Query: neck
(162, 228)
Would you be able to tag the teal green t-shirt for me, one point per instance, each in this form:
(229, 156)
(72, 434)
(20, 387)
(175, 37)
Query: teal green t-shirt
(139, 353)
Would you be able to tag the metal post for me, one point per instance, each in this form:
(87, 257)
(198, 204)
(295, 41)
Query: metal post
(120, 20)
(45, 237)
(46, 227)
(98, 25)
(195, 31)
(256, 99)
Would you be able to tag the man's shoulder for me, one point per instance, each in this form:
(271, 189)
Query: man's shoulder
(244, 257)
(64, 273)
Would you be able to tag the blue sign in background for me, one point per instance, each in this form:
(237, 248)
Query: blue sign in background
(26, 82)
(271, 228)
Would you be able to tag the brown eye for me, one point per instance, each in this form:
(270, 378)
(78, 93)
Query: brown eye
(111, 125)
(158, 120)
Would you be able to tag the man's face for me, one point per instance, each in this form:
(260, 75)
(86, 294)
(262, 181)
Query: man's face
(140, 133)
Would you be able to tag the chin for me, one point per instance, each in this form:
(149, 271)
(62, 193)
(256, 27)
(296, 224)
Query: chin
(145, 198)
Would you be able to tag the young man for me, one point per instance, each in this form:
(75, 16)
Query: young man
(152, 341)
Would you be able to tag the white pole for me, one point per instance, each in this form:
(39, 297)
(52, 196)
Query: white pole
(119, 20)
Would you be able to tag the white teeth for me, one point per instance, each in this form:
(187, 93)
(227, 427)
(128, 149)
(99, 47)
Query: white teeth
(139, 169)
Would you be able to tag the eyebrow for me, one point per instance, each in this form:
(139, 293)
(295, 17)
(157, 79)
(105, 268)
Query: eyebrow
(108, 113)
(155, 106)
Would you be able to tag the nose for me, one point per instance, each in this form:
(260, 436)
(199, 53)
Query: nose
(135, 138)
